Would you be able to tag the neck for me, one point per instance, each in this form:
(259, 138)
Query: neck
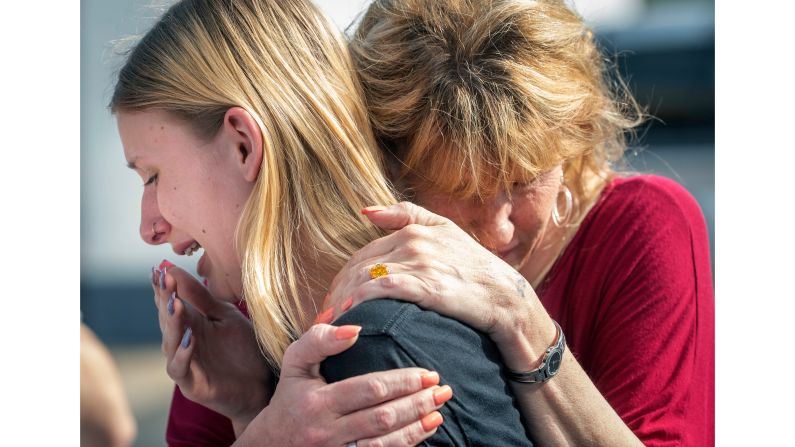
(540, 259)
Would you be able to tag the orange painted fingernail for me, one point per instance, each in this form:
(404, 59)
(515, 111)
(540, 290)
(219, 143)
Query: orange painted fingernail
(347, 304)
(165, 263)
(325, 317)
(346, 332)
(372, 209)
(442, 395)
(429, 379)
(432, 421)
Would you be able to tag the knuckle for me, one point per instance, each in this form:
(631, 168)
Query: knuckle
(315, 436)
(414, 231)
(424, 265)
(424, 404)
(412, 248)
(364, 271)
(170, 370)
(405, 205)
(384, 418)
(412, 435)
(315, 335)
(378, 390)
(378, 442)
(389, 281)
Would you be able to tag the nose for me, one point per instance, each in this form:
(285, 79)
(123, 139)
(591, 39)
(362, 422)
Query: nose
(154, 228)
(492, 224)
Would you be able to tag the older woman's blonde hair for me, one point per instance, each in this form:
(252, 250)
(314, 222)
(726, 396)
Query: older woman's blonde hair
(289, 67)
(470, 96)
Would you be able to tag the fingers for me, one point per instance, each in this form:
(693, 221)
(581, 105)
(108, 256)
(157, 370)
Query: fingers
(402, 214)
(302, 358)
(394, 415)
(404, 287)
(409, 435)
(175, 325)
(409, 396)
(355, 393)
(192, 291)
(178, 367)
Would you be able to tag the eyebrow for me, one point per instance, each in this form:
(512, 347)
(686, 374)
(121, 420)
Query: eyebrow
(131, 164)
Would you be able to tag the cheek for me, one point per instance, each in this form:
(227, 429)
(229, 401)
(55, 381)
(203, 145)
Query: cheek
(529, 215)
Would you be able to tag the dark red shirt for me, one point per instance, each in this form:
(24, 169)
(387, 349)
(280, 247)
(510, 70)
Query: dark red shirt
(191, 424)
(633, 293)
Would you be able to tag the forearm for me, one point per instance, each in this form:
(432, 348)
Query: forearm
(569, 410)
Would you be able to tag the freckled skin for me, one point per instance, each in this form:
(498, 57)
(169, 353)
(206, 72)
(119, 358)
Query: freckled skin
(181, 204)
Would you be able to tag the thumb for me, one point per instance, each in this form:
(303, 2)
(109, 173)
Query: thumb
(302, 358)
(400, 215)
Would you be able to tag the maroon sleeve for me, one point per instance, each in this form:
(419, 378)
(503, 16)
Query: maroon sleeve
(652, 354)
(191, 424)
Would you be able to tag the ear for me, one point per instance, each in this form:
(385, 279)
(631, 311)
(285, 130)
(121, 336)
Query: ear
(246, 138)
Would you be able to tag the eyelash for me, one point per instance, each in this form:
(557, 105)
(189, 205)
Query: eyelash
(151, 180)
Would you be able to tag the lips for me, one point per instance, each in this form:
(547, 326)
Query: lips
(182, 247)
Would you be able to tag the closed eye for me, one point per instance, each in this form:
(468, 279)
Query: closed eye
(151, 180)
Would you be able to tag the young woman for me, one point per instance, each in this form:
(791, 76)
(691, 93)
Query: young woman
(245, 122)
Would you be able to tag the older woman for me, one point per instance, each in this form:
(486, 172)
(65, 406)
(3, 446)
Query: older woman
(499, 115)
(247, 127)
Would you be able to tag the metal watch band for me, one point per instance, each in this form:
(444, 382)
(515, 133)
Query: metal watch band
(543, 372)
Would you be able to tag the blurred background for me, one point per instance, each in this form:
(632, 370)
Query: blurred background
(664, 49)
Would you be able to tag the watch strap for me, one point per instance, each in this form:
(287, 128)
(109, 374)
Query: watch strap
(542, 373)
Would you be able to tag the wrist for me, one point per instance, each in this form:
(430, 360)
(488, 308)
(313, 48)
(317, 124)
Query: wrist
(550, 363)
(524, 342)
(258, 427)
(243, 417)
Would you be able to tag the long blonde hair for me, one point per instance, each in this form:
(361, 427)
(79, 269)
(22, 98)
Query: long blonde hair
(289, 67)
(469, 96)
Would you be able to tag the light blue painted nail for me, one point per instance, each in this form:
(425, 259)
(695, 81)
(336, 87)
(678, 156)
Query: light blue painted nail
(186, 337)
(170, 306)
(163, 279)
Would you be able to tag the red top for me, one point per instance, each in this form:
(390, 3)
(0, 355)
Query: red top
(633, 294)
(191, 424)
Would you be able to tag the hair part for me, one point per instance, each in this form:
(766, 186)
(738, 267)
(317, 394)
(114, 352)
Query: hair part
(469, 96)
(289, 67)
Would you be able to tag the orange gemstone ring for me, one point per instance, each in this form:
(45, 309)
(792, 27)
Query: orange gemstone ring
(378, 271)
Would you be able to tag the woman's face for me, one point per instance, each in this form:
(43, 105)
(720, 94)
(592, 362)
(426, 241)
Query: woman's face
(193, 194)
(510, 228)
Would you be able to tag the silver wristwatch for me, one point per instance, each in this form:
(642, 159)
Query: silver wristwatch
(550, 364)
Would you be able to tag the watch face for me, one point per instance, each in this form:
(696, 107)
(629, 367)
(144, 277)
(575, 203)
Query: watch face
(554, 362)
